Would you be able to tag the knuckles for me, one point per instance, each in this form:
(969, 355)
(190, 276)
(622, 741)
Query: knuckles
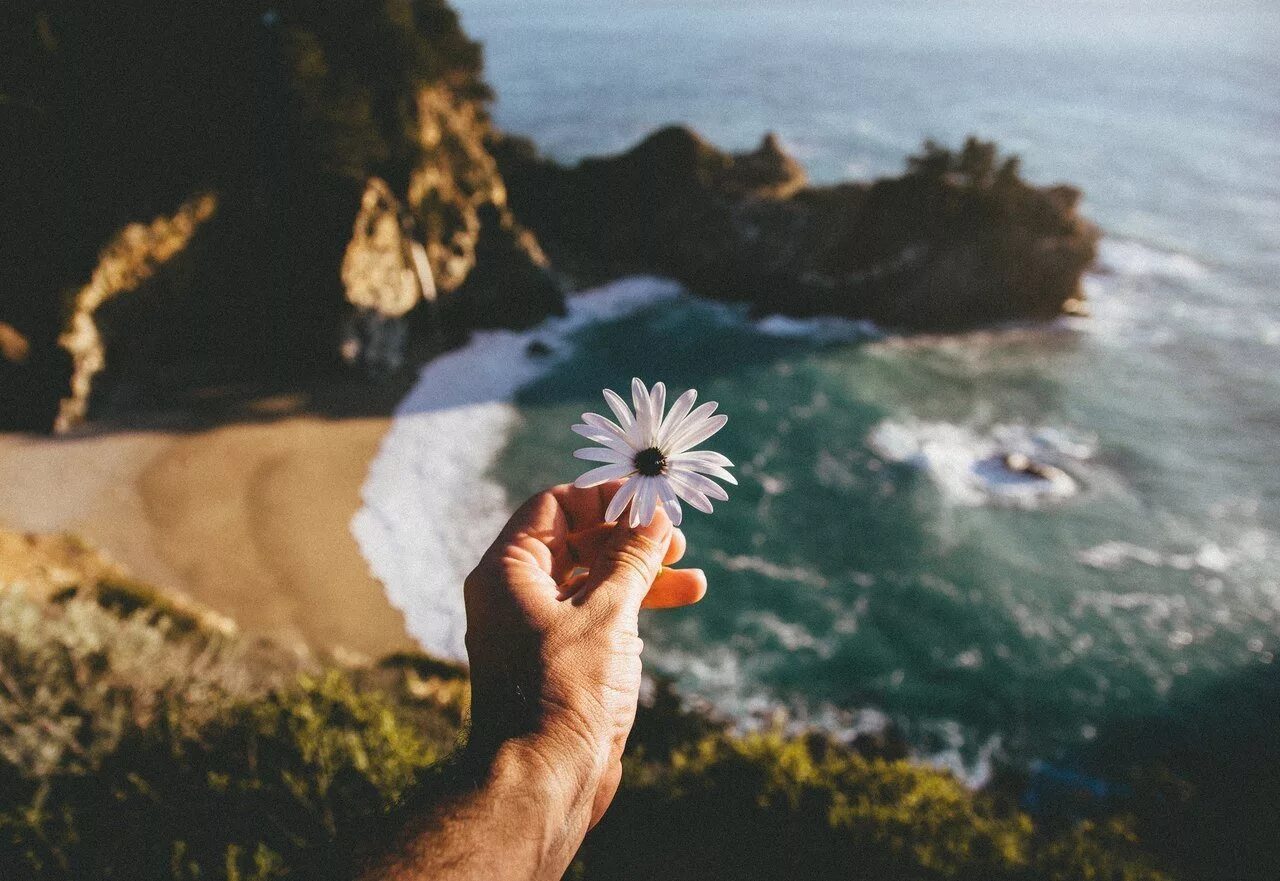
(640, 564)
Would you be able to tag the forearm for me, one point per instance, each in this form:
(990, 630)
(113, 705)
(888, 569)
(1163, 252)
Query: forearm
(519, 814)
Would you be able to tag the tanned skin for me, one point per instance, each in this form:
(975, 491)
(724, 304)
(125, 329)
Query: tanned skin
(552, 612)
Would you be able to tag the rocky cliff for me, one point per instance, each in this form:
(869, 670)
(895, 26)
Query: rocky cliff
(117, 116)
(959, 240)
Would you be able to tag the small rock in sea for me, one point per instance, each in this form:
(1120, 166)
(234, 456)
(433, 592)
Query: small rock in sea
(538, 349)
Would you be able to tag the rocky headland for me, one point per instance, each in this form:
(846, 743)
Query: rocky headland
(959, 240)
(241, 196)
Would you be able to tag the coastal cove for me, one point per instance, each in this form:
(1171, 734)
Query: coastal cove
(867, 572)
(300, 301)
(857, 581)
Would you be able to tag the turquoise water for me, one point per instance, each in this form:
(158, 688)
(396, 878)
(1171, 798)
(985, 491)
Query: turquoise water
(865, 570)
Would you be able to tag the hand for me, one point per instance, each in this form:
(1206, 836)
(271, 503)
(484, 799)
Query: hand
(552, 636)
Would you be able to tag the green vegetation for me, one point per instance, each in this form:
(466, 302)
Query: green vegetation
(769, 806)
(224, 758)
(220, 757)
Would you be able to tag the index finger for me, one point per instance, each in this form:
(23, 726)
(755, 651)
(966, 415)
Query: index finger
(585, 508)
(539, 531)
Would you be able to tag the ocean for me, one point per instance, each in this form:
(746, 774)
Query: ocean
(875, 566)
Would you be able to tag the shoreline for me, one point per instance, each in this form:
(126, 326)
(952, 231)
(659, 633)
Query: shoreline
(248, 517)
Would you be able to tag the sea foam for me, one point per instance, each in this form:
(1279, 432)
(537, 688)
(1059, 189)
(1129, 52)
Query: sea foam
(967, 466)
(1127, 257)
(822, 329)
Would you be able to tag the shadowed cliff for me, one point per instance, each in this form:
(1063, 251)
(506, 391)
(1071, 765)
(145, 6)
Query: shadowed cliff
(115, 115)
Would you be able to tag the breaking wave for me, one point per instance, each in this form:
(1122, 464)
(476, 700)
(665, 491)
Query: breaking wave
(1005, 464)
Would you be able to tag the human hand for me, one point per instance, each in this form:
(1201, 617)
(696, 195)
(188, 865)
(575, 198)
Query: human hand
(552, 636)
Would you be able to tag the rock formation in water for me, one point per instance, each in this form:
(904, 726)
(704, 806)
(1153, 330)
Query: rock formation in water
(959, 240)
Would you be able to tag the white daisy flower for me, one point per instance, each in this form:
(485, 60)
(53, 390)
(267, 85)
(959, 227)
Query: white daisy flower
(655, 454)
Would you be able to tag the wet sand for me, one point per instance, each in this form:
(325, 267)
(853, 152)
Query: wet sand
(251, 517)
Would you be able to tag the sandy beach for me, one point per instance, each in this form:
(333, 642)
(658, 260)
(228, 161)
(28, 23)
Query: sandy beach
(249, 516)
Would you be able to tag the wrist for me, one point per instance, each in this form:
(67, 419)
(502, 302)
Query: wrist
(550, 789)
(566, 749)
(566, 767)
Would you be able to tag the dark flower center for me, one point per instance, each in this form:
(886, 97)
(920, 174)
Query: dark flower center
(650, 462)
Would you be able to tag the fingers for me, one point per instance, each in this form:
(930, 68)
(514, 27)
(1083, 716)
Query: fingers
(539, 530)
(531, 538)
(584, 508)
(571, 587)
(561, 529)
(676, 587)
(678, 546)
(629, 563)
(582, 547)
(672, 588)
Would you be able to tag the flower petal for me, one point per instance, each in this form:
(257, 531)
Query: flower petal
(657, 404)
(643, 430)
(595, 420)
(704, 462)
(620, 499)
(688, 493)
(696, 434)
(619, 408)
(702, 484)
(601, 454)
(702, 468)
(679, 410)
(603, 474)
(702, 412)
(667, 495)
(702, 457)
(646, 500)
(604, 437)
(639, 397)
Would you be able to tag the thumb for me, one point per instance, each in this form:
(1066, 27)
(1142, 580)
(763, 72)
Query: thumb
(630, 561)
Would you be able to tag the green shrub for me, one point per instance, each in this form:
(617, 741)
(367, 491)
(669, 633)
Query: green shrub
(1103, 851)
(284, 786)
(76, 679)
(767, 806)
(134, 749)
(124, 596)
